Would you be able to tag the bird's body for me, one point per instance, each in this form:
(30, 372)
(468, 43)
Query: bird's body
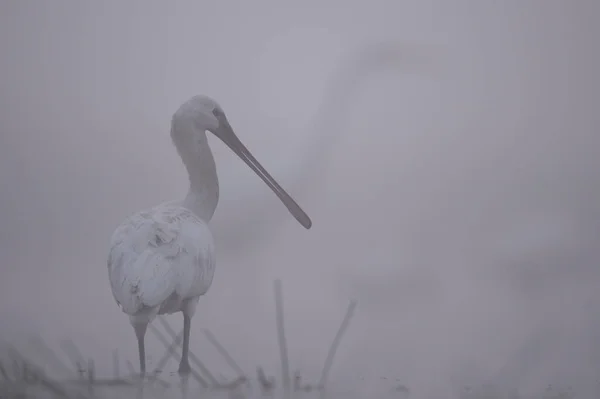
(161, 260)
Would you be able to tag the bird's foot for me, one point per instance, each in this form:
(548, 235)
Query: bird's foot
(184, 368)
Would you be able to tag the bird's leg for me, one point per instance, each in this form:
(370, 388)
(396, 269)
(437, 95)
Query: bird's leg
(140, 332)
(184, 366)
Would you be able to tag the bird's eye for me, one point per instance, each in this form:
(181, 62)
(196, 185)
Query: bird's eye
(217, 112)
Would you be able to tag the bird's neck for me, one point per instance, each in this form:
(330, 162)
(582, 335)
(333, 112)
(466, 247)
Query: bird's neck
(203, 195)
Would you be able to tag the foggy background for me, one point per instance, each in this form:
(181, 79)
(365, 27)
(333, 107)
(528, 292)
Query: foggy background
(445, 151)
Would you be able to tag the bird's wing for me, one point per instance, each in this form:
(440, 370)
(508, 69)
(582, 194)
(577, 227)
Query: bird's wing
(145, 254)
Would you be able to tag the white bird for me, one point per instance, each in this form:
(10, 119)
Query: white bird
(162, 259)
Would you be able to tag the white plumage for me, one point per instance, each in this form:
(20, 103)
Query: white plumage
(169, 254)
(161, 260)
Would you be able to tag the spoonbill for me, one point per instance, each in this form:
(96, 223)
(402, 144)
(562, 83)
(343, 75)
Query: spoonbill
(162, 259)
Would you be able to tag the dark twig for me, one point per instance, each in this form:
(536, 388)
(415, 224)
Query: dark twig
(169, 352)
(164, 341)
(334, 345)
(223, 352)
(285, 368)
(205, 371)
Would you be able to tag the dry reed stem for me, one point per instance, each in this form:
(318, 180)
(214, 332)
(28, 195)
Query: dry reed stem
(130, 367)
(74, 355)
(285, 367)
(223, 352)
(164, 341)
(50, 355)
(91, 380)
(266, 384)
(29, 374)
(56, 362)
(116, 369)
(170, 351)
(192, 356)
(334, 345)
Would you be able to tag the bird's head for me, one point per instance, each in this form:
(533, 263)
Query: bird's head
(200, 114)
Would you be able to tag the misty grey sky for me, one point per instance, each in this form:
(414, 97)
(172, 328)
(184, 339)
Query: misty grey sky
(457, 197)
